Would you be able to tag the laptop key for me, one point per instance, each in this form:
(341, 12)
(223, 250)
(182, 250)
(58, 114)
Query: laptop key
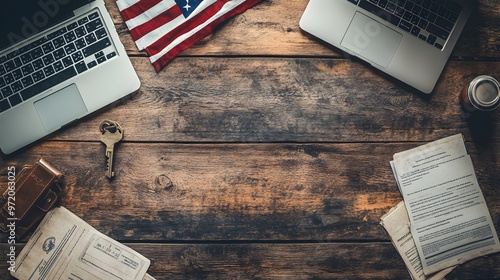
(101, 59)
(9, 78)
(80, 31)
(69, 37)
(48, 59)
(16, 86)
(453, 17)
(27, 81)
(110, 55)
(423, 24)
(424, 14)
(48, 83)
(93, 25)
(81, 67)
(415, 20)
(4, 105)
(72, 25)
(101, 33)
(443, 23)
(94, 15)
(391, 7)
(90, 38)
(434, 7)
(431, 39)
(67, 61)
(38, 76)
(382, 3)
(77, 56)
(59, 42)
(92, 64)
(15, 99)
(407, 16)
(70, 48)
(17, 74)
(27, 69)
(432, 18)
(100, 45)
(82, 21)
(37, 53)
(415, 31)
(59, 53)
(6, 91)
(12, 54)
(10, 65)
(49, 70)
(80, 43)
(37, 64)
(440, 33)
(56, 33)
(406, 26)
(17, 62)
(427, 4)
(442, 11)
(48, 47)
(58, 66)
(453, 6)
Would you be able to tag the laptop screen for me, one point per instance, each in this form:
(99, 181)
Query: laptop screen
(20, 19)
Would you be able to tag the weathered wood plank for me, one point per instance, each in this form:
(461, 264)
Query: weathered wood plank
(287, 261)
(272, 28)
(240, 191)
(289, 100)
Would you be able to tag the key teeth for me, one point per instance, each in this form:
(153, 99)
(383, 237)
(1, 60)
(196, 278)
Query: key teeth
(109, 173)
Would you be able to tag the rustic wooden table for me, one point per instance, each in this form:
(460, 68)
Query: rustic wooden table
(261, 153)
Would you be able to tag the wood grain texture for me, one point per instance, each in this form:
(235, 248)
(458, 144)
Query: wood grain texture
(223, 192)
(289, 261)
(288, 100)
(262, 153)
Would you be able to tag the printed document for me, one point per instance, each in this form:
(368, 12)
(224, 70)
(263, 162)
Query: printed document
(66, 247)
(449, 220)
(397, 224)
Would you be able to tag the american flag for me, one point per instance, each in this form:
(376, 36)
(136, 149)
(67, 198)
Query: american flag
(165, 28)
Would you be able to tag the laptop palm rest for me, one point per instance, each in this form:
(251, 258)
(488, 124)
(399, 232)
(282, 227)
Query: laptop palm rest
(61, 107)
(371, 40)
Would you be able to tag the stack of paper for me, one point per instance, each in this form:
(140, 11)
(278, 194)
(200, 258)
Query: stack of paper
(66, 247)
(444, 211)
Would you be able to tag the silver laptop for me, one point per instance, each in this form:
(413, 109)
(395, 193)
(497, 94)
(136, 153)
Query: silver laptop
(410, 40)
(59, 61)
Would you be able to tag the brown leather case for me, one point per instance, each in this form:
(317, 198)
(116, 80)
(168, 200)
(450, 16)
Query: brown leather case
(37, 192)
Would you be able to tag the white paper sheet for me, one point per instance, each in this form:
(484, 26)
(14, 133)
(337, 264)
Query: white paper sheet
(450, 222)
(65, 247)
(397, 225)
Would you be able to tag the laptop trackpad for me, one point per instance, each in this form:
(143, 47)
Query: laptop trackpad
(371, 40)
(61, 107)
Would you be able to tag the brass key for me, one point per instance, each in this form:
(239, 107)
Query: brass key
(112, 133)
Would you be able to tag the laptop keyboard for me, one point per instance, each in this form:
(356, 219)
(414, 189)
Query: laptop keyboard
(430, 20)
(70, 50)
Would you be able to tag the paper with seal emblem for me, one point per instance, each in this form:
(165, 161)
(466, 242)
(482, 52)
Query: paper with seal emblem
(66, 247)
(449, 219)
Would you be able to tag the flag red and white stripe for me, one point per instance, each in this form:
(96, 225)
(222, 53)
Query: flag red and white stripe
(160, 28)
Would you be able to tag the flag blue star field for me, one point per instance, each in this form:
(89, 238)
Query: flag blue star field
(165, 28)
